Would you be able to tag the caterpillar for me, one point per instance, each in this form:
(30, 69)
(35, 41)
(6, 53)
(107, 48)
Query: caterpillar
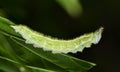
(55, 45)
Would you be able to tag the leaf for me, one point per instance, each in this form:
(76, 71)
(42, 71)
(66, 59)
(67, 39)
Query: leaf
(73, 7)
(20, 53)
(7, 66)
(60, 61)
(14, 69)
(64, 61)
(5, 27)
(27, 57)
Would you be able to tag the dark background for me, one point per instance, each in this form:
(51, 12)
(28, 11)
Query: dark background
(50, 18)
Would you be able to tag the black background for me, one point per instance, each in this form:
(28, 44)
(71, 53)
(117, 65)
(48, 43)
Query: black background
(48, 17)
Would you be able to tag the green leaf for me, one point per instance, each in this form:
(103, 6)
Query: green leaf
(8, 66)
(64, 61)
(29, 58)
(54, 62)
(73, 7)
(5, 27)
(6, 50)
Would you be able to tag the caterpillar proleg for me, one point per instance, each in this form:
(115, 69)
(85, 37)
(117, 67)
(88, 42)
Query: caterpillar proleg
(58, 45)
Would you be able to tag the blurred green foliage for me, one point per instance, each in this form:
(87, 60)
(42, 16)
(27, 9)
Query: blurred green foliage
(73, 7)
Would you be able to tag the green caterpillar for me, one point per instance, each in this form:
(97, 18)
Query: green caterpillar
(58, 45)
